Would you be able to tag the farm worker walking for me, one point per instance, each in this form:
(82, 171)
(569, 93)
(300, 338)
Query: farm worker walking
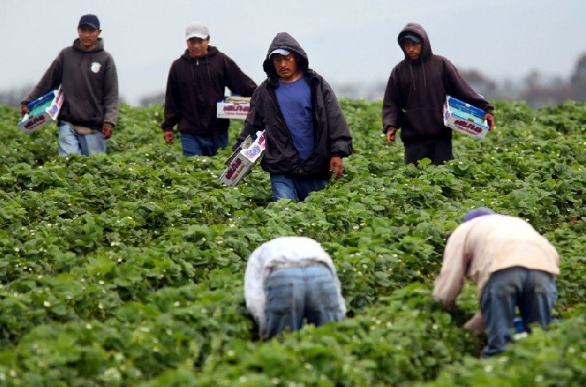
(306, 132)
(289, 279)
(88, 78)
(512, 265)
(415, 95)
(196, 83)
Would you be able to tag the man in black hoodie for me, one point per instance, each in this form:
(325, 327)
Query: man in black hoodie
(415, 95)
(195, 85)
(305, 129)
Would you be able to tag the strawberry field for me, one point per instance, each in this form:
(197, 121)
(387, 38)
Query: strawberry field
(127, 269)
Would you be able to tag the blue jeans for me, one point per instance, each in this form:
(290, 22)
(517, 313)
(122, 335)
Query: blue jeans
(298, 293)
(533, 291)
(294, 187)
(194, 145)
(86, 144)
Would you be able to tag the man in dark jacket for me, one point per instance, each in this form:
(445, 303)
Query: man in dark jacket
(89, 81)
(195, 85)
(415, 95)
(306, 132)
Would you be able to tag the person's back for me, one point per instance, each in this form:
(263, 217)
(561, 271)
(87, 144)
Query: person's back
(513, 266)
(290, 279)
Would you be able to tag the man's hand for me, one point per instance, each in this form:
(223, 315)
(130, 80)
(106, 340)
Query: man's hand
(106, 131)
(24, 110)
(169, 137)
(391, 135)
(337, 164)
(491, 121)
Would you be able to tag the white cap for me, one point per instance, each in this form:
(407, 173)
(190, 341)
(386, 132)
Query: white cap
(196, 30)
(281, 51)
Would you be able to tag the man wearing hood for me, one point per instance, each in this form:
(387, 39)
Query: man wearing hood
(87, 75)
(305, 129)
(195, 85)
(513, 266)
(415, 95)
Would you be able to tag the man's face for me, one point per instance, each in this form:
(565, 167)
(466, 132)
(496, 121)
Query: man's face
(286, 67)
(197, 47)
(412, 49)
(88, 37)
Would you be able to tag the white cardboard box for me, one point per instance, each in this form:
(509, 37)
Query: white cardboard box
(244, 159)
(42, 111)
(234, 108)
(465, 118)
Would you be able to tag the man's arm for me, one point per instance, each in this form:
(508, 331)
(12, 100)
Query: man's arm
(253, 288)
(339, 135)
(50, 81)
(458, 87)
(255, 119)
(391, 108)
(172, 112)
(238, 82)
(110, 99)
(451, 278)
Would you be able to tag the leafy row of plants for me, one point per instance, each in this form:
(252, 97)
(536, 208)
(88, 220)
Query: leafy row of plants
(127, 268)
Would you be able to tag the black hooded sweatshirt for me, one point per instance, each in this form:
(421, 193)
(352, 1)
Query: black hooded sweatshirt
(416, 92)
(332, 136)
(195, 86)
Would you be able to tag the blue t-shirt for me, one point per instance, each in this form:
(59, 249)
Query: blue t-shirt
(295, 102)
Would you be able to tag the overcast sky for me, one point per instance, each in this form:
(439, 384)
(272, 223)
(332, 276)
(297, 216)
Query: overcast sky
(346, 41)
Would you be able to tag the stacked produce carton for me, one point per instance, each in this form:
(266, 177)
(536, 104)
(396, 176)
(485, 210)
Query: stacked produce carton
(244, 159)
(465, 118)
(234, 108)
(42, 111)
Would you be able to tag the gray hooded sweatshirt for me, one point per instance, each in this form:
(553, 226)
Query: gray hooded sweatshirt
(89, 82)
(416, 92)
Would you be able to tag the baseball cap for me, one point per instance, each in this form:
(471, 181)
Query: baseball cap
(476, 213)
(89, 20)
(413, 37)
(281, 51)
(196, 30)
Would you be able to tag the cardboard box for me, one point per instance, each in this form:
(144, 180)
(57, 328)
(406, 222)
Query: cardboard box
(42, 111)
(465, 118)
(244, 159)
(234, 108)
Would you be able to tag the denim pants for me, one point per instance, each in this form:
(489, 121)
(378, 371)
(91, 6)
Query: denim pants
(533, 291)
(294, 187)
(86, 144)
(195, 145)
(438, 151)
(300, 293)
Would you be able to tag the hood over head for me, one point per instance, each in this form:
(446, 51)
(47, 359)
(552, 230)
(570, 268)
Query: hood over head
(286, 42)
(417, 29)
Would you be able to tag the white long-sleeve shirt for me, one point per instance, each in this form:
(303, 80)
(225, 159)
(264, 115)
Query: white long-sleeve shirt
(281, 250)
(486, 244)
